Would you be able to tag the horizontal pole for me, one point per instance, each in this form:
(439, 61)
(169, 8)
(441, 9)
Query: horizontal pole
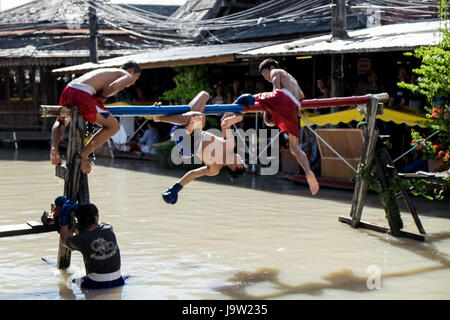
(140, 111)
(133, 111)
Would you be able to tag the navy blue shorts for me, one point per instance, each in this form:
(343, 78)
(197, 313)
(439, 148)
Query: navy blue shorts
(87, 283)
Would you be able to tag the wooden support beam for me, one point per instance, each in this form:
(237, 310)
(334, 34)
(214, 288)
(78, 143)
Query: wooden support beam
(30, 227)
(374, 227)
(405, 197)
(76, 178)
(55, 111)
(370, 141)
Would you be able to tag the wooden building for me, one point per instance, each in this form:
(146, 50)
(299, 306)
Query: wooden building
(40, 36)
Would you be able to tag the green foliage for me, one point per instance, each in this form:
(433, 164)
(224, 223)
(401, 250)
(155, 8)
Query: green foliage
(164, 151)
(429, 188)
(189, 82)
(387, 193)
(434, 83)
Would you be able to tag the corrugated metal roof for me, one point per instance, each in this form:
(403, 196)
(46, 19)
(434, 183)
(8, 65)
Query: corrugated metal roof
(168, 55)
(395, 37)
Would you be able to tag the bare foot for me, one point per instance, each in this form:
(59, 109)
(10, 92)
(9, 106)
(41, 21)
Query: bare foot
(55, 158)
(85, 166)
(312, 181)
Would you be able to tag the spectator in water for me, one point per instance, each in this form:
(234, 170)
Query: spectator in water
(96, 242)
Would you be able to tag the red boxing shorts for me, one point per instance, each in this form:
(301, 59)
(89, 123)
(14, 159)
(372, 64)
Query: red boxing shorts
(82, 97)
(283, 107)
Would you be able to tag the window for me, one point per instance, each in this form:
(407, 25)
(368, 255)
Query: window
(3, 93)
(14, 84)
(27, 84)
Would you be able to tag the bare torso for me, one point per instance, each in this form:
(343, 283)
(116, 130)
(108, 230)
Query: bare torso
(283, 80)
(212, 145)
(101, 78)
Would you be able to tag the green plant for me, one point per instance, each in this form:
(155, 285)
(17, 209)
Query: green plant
(382, 180)
(434, 83)
(189, 82)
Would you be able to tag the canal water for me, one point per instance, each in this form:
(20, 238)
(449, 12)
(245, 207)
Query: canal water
(256, 238)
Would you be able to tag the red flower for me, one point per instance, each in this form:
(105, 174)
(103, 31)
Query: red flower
(422, 139)
(413, 141)
(436, 147)
(440, 154)
(418, 147)
(447, 155)
(434, 115)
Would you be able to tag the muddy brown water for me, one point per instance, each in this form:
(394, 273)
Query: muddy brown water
(258, 238)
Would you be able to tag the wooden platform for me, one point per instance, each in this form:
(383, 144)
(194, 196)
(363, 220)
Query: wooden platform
(30, 227)
(8, 136)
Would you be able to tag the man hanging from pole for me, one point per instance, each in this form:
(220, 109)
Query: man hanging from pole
(281, 109)
(215, 152)
(88, 94)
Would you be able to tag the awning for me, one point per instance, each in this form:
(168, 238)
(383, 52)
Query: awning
(171, 57)
(401, 115)
(394, 37)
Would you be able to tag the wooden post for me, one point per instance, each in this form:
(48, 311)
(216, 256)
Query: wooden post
(370, 140)
(388, 199)
(76, 186)
(405, 196)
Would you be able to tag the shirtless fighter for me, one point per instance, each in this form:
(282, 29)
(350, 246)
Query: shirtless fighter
(88, 93)
(281, 109)
(215, 152)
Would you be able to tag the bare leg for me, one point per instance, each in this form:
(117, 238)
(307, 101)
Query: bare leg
(199, 102)
(180, 119)
(304, 162)
(109, 128)
(197, 106)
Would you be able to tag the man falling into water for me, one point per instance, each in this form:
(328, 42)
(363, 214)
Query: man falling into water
(281, 109)
(88, 93)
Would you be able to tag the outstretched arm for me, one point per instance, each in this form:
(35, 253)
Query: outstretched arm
(64, 234)
(56, 137)
(117, 85)
(228, 120)
(197, 122)
(171, 195)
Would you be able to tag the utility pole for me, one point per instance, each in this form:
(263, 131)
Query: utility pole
(338, 32)
(339, 19)
(93, 33)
